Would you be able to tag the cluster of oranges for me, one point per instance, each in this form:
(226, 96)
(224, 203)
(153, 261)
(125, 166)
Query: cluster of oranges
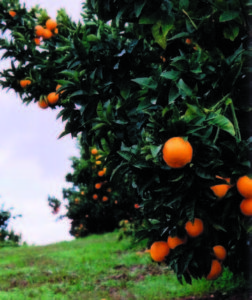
(160, 250)
(177, 153)
(100, 173)
(46, 32)
(51, 99)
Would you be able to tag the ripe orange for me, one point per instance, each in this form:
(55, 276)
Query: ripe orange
(37, 41)
(104, 198)
(219, 252)
(174, 241)
(136, 205)
(188, 41)
(12, 13)
(94, 151)
(39, 30)
(246, 207)
(98, 162)
(177, 152)
(215, 270)
(220, 190)
(244, 186)
(82, 193)
(116, 202)
(24, 83)
(101, 173)
(95, 196)
(47, 34)
(52, 98)
(194, 228)
(98, 186)
(43, 103)
(51, 24)
(56, 31)
(159, 250)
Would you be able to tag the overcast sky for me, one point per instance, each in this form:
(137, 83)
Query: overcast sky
(33, 161)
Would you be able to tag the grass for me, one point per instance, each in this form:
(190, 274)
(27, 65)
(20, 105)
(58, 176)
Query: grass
(96, 267)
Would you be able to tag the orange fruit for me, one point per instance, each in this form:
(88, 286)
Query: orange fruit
(219, 252)
(174, 241)
(177, 152)
(43, 103)
(194, 228)
(12, 13)
(246, 207)
(37, 41)
(136, 205)
(215, 270)
(101, 173)
(188, 41)
(116, 202)
(39, 30)
(52, 98)
(220, 190)
(95, 196)
(244, 186)
(82, 193)
(76, 200)
(98, 186)
(159, 250)
(104, 198)
(109, 190)
(163, 58)
(51, 24)
(56, 31)
(47, 34)
(58, 87)
(98, 162)
(94, 151)
(24, 83)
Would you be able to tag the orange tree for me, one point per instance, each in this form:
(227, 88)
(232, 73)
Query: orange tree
(136, 74)
(94, 203)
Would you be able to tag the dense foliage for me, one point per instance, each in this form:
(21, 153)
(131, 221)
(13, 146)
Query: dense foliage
(134, 74)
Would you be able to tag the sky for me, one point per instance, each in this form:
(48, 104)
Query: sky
(33, 161)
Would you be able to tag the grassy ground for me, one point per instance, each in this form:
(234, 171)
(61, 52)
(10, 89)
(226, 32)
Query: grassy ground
(97, 267)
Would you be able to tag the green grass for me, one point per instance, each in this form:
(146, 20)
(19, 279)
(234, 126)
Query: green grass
(96, 267)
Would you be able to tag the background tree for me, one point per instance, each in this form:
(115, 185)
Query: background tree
(94, 203)
(137, 74)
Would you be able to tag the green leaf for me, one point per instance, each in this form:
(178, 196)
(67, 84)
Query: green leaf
(172, 75)
(146, 82)
(92, 38)
(150, 19)
(228, 15)
(185, 88)
(231, 32)
(160, 31)
(222, 122)
(155, 150)
(138, 7)
(183, 4)
(173, 94)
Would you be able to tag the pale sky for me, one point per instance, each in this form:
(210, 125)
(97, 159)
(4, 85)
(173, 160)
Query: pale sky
(33, 161)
